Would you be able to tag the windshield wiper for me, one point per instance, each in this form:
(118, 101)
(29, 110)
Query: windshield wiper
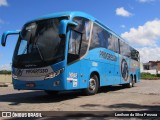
(40, 54)
(34, 44)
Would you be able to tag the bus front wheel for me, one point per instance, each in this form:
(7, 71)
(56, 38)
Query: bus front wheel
(93, 85)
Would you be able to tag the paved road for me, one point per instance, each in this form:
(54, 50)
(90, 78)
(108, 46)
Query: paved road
(144, 96)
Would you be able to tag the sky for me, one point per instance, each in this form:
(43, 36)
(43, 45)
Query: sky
(137, 21)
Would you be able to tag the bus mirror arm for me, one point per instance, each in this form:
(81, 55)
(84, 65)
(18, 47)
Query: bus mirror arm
(63, 27)
(5, 34)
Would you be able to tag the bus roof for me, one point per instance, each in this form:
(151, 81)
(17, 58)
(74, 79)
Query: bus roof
(72, 14)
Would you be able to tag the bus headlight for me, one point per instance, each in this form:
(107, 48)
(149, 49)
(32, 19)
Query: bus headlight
(54, 74)
(14, 76)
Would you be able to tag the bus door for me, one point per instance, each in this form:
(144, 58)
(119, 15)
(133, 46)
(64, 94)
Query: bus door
(73, 61)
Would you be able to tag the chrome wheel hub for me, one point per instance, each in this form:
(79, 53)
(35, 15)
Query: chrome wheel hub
(92, 84)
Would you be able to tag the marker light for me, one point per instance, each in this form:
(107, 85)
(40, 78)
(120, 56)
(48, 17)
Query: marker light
(54, 74)
(56, 83)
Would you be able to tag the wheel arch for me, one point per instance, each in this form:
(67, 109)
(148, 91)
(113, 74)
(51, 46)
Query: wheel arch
(135, 78)
(97, 74)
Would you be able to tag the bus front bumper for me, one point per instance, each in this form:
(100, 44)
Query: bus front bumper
(50, 84)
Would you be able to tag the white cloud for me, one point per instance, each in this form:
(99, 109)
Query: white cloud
(146, 35)
(3, 3)
(122, 12)
(146, 38)
(5, 67)
(149, 54)
(146, 1)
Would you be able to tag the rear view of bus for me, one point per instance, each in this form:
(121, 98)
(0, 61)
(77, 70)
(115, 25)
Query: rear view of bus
(60, 52)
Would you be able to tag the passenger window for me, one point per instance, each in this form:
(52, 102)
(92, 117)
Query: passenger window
(102, 38)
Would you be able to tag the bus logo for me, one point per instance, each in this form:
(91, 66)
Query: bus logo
(19, 72)
(124, 69)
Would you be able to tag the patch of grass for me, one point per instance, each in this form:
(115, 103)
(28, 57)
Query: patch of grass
(5, 72)
(148, 76)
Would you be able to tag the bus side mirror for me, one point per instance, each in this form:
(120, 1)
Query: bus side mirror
(5, 35)
(63, 27)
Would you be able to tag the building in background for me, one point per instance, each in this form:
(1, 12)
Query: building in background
(151, 67)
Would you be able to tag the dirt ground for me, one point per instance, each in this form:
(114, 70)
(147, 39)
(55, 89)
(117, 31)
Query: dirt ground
(144, 96)
(5, 78)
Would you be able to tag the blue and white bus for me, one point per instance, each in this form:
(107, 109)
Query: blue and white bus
(69, 51)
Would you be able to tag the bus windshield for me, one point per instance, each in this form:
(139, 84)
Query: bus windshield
(39, 44)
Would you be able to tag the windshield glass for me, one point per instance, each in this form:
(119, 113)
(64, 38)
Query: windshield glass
(39, 44)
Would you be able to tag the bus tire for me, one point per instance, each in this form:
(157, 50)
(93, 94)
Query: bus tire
(93, 85)
(130, 84)
(50, 92)
(133, 82)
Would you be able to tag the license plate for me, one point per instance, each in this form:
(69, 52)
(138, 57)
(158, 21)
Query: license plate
(30, 85)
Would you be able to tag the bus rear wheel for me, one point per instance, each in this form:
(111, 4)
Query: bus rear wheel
(50, 92)
(93, 85)
(131, 82)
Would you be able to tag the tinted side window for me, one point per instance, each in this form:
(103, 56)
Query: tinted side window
(122, 48)
(84, 28)
(74, 43)
(116, 45)
(100, 38)
(96, 36)
(111, 43)
(125, 49)
(134, 54)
